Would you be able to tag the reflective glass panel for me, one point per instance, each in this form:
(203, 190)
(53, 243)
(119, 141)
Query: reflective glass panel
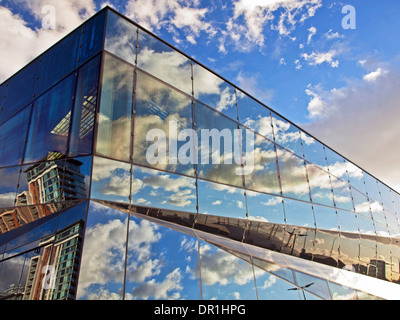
(254, 115)
(84, 109)
(159, 189)
(335, 162)
(340, 292)
(299, 213)
(103, 258)
(261, 172)
(214, 92)
(93, 36)
(225, 276)
(378, 214)
(314, 285)
(219, 146)
(349, 251)
(320, 185)
(162, 61)
(356, 176)
(8, 186)
(292, 172)
(115, 111)
(12, 138)
(163, 127)
(347, 221)
(326, 218)
(50, 123)
(387, 199)
(342, 194)
(161, 264)
(121, 37)
(366, 226)
(264, 207)
(361, 203)
(286, 134)
(76, 178)
(111, 180)
(372, 188)
(221, 200)
(313, 150)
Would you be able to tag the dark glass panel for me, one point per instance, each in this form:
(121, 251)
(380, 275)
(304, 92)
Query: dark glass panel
(161, 263)
(115, 111)
(103, 257)
(165, 115)
(121, 37)
(214, 92)
(221, 200)
(225, 276)
(8, 186)
(320, 185)
(286, 134)
(219, 146)
(20, 90)
(162, 61)
(84, 111)
(50, 125)
(313, 150)
(293, 176)
(111, 180)
(12, 138)
(92, 37)
(153, 188)
(254, 115)
(264, 207)
(59, 61)
(77, 178)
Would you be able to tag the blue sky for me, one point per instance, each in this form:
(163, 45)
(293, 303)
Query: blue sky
(341, 85)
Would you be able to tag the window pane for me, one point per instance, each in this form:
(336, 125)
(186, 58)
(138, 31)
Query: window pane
(264, 208)
(51, 118)
(347, 221)
(313, 150)
(161, 263)
(219, 147)
(372, 188)
(103, 257)
(225, 276)
(314, 285)
(59, 61)
(387, 199)
(163, 127)
(84, 109)
(320, 185)
(8, 186)
(76, 178)
(326, 218)
(340, 292)
(12, 138)
(93, 36)
(342, 194)
(254, 115)
(221, 200)
(121, 37)
(115, 112)
(163, 62)
(286, 134)
(299, 213)
(214, 92)
(293, 175)
(159, 189)
(356, 177)
(110, 180)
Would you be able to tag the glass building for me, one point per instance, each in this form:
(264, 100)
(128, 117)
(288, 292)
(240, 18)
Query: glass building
(128, 170)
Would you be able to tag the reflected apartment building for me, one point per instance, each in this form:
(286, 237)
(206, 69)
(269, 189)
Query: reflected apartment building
(85, 215)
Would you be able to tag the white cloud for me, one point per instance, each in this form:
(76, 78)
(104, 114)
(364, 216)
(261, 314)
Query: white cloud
(311, 32)
(333, 35)
(374, 75)
(317, 58)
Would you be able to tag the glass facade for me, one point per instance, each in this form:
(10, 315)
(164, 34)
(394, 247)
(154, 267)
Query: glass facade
(130, 171)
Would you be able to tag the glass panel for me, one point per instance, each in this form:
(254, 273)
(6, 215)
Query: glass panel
(325, 247)
(264, 208)
(42, 183)
(314, 285)
(286, 134)
(320, 185)
(356, 177)
(372, 188)
(340, 292)
(392, 222)
(214, 92)
(299, 213)
(115, 112)
(20, 90)
(347, 221)
(163, 190)
(103, 258)
(225, 276)
(121, 37)
(254, 115)
(12, 138)
(219, 147)
(378, 214)
(349, 251)
(164, 114)
(161, 263)
(342, 194)
(326, 218)
(76, 178)
(111, 180)
(292, 172)
(361, 203)
(221, 200)
(366, 226)
(8, 186)
(51, 118)
(335, 162)
(93, 36)
(160, 60)
(3, 90)
(84, 109)
(59, 61)
(387, 200)
(261, 173)
(383, 262)
(313, 150)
